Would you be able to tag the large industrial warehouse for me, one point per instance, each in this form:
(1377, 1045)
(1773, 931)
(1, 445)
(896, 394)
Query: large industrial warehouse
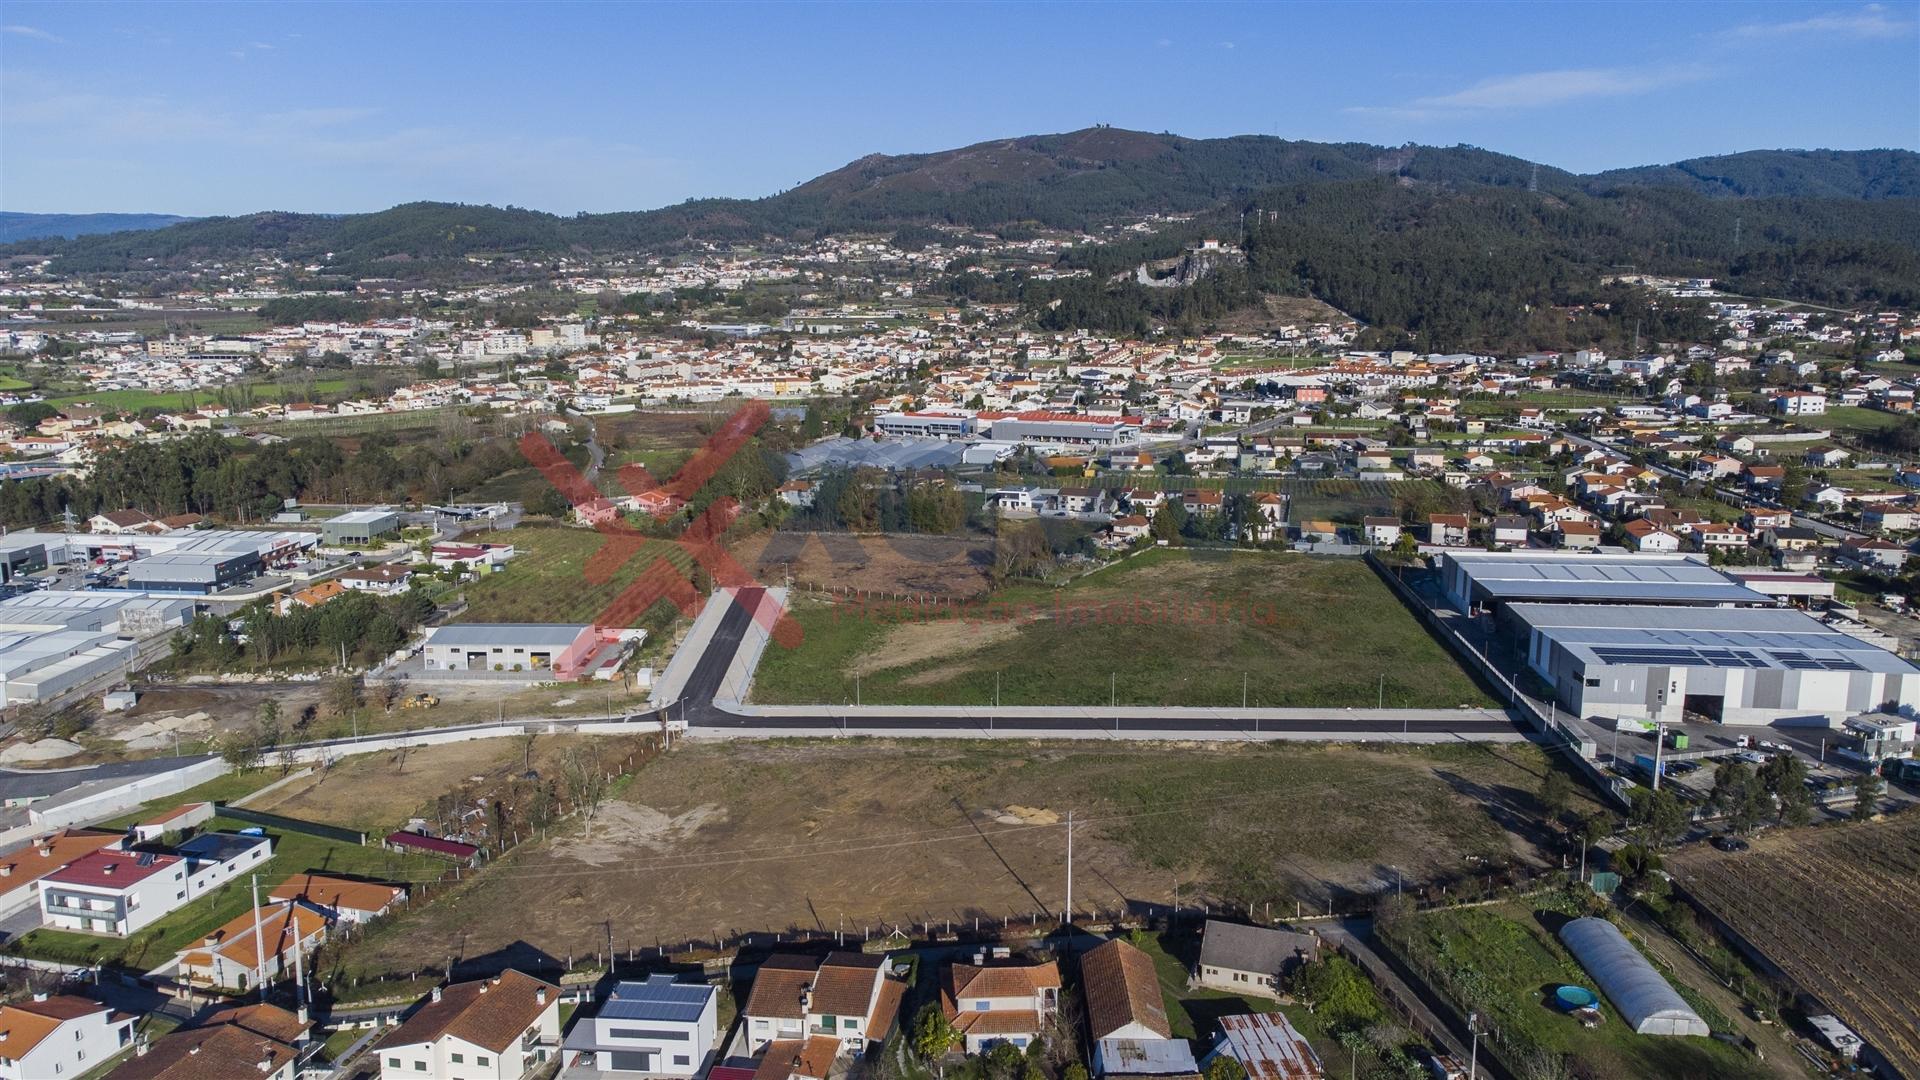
(1733, 665)
(1490, 579)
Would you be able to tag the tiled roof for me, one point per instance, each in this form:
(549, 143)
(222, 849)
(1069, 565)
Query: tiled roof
(112, 869)
(779, 985)
(25, 1024)
(1016, 980)
(488, 1012)
(232, 1047)
(1121, 987)
(886, 1010)
(338, 893)
(786, 1058)
(997, 1022)
(23, 867)
(844, 985)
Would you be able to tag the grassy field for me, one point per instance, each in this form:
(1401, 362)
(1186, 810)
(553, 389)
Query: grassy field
(174, 401)
(721, 837)
(1167, 627)
(1857, 421)
(293, 853)
(547, 580)
(1504, 960)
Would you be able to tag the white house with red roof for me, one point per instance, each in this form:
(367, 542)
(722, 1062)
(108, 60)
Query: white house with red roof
(113, 892)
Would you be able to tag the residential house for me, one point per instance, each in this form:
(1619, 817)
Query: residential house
(1790, 538)
(1319, 532)
(796, 493)
(65, 1036)
(847, 995)
(1890, 519)
(1510, 530)
(119, 522)
(340, 899)
(1202, 502)
(215, 858)
(1576, 535)
(1644, 535)
(22, 868)
(1237, 959)
(234, 958)
(1269, 517)
(1799, 403)
(1823, 457)
(1760, 518)
(386, 579)
(1129, 528)
(1447, 530)
(310, 597)
(1872, 553)
(1766, 476)
(659, 1027)
(113, 892)
(501, 1028)
(1718, 537)
(251, 1042)
(1829, 498)
(1005, 1002)
(1121, 992)
(1381, 531)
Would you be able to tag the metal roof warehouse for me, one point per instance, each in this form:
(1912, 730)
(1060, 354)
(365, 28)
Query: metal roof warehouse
(1734, 665)
(1492, 578)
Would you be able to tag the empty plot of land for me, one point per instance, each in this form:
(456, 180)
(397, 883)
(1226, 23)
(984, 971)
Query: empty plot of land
(548, 578)
(1163, 628)
(714, 839)
(931, 566)
(1821, 903)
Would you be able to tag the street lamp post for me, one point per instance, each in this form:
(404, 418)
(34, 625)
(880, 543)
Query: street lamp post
(1473, 1056)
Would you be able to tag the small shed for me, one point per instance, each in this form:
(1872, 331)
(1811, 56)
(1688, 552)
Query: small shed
(433, 845)
(1641, 995)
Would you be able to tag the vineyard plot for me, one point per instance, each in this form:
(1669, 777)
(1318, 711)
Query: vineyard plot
(1833, 908)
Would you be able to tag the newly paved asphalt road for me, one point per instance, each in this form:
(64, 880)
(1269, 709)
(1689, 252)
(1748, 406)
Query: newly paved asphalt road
(697, 706)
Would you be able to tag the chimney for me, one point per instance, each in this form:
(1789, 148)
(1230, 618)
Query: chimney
(46, 850)
(140, 1047)
(40, 995)
(436, 993)
(540, 996)
(6, 870)
(266, 1064)
(109, 869)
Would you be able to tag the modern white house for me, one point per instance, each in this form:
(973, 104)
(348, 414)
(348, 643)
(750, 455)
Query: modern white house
(215, 858)
(49, 1038)
(501, 1028)
(658, 1027)
(113, 892)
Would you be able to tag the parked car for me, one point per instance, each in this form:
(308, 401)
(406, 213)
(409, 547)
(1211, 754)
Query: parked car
(1730, 843)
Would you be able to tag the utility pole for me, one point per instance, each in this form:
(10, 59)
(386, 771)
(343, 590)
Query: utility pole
(1383, 691)
(1113, 690)
(1473, 1056)
(1659, 740)
(1069, 866)
(1243, 690)
(259, 943)
(299, 969)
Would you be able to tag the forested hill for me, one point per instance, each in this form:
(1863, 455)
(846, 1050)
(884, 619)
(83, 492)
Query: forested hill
(17, 226)
(1079, 179)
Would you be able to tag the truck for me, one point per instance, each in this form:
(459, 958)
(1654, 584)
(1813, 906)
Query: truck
(1644, 764)
(1901, 770)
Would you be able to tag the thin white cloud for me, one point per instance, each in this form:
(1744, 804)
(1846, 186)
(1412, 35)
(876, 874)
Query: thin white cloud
(32, 32)
(1538, 88)
(1872, 21)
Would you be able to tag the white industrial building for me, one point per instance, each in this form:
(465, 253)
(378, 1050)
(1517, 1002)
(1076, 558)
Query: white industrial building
(39, 665)
(1733, 665)
(1490, 579)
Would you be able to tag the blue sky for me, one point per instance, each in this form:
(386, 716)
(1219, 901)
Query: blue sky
(230, 108)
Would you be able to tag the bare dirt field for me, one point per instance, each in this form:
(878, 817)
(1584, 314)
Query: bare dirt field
(933, 566)
(719, 838)
(375, 792)
(1820, 903)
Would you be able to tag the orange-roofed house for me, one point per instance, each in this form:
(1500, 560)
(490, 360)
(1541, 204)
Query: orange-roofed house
(798, 1059)
(1008, 1003)
(21, 871)
(312, 596)
(340, 898)
(493, 1029)
(50, 1037)
(231, 957)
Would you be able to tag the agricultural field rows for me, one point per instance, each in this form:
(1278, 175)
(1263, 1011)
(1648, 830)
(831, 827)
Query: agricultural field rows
(1833, 908)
